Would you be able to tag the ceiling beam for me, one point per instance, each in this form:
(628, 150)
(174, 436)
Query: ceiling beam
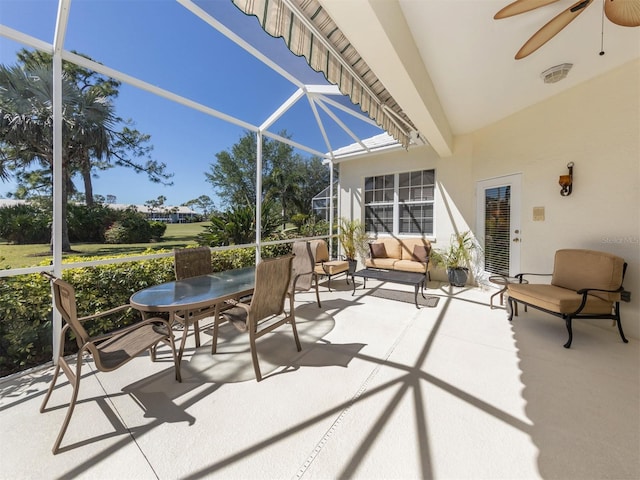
(380, 34)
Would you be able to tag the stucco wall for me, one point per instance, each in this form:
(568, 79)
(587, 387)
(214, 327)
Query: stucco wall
(596, 125)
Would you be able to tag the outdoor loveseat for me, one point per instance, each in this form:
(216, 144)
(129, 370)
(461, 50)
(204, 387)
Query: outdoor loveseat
(585, 284)
(404, 254)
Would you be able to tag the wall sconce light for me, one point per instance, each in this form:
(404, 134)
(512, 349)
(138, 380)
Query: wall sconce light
(566, 181)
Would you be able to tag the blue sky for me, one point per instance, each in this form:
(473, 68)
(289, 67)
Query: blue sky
(164, 44)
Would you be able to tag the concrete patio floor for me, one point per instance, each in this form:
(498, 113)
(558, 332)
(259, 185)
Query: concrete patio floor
(380, 390)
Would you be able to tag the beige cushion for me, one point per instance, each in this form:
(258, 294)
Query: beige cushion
(320, 250)
(557, 299)
(386, 263)
(323, 266)
(410, 266)
(332, 268)
(575, 269)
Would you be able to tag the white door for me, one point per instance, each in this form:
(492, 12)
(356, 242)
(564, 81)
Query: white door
(498, 224)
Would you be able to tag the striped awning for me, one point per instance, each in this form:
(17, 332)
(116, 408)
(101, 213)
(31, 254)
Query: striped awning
(309, 31)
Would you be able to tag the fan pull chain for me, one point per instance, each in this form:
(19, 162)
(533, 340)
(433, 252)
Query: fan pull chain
(602, 31)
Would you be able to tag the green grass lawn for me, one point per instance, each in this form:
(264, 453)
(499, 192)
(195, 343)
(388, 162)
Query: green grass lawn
(177, 235)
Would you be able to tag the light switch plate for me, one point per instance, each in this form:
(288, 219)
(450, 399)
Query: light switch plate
(538, 214)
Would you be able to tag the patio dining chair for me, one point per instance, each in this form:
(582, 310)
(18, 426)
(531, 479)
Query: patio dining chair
(187, 263)
(266, 311)
(302, 269)
(109, 351)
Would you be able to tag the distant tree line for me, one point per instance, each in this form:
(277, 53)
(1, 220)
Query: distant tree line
(30, 223)
(289, 182)
(95, 138)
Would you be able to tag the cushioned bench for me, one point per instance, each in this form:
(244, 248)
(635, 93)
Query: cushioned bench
(584, 284)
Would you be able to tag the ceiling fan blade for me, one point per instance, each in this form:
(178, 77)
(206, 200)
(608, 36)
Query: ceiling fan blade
(552, 28)
(623, 12)
(521, 6)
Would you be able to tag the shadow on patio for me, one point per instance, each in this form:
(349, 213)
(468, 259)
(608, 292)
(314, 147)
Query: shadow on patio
(380, 390)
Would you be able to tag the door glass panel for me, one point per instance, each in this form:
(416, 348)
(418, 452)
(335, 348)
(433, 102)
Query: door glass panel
(497, 227)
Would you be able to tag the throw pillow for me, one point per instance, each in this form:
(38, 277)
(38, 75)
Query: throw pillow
(378, 250)
(421, 253)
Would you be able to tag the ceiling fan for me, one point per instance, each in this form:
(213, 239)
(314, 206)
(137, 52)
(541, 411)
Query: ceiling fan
(621, 12)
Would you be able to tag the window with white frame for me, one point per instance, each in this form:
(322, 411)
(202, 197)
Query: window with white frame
(400, 203)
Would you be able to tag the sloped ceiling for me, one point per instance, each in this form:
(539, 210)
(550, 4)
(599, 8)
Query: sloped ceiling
(451, 66)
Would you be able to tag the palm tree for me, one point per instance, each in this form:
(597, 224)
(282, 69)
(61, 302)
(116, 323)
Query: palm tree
(26, 121)
(91, 86)
(96, 119)
(237, 225)
(283, 185)
(89, 135)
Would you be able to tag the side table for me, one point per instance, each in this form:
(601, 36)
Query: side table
(503, 281)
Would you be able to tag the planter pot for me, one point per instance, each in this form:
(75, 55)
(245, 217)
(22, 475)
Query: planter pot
(458, 276)
(353, 264)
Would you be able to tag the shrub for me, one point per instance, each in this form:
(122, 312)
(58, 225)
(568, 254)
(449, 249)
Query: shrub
(25, 322)
(299, 219)
(22, 224)
(26, 310)
(88, 224)
(157, 230)
(116, 233)
(237, 225)
(313, 227)
(132, 227)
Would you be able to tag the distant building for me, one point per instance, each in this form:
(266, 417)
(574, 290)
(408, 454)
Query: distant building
(9, 202)
(168, 214)
(321, 204)
(165, 213)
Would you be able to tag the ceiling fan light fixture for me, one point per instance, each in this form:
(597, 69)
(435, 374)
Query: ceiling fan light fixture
(556, 73)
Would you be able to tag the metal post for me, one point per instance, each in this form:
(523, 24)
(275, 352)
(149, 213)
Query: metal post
(331, 200)
(56, 240)
(258, 194)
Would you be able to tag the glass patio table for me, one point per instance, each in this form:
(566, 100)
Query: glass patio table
(194, 294)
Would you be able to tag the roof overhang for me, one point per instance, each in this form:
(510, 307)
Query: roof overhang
(380, 34)
(309, 31)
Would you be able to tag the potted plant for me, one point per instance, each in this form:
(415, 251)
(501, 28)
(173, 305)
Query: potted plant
(354, 241)
(456, 258)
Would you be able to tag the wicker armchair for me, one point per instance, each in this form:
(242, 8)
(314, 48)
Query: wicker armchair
(266, 310)
(110, 350)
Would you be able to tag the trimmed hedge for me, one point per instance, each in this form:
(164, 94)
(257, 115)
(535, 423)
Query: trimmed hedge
(26, 311)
